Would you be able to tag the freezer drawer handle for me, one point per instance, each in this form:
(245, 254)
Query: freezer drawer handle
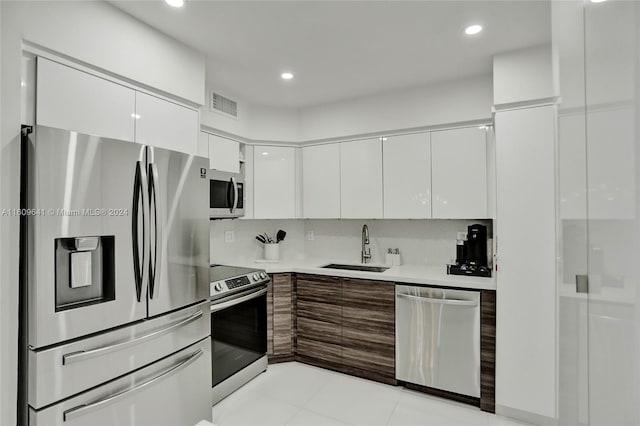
(87, 408)
(83, 355)
(440, 301)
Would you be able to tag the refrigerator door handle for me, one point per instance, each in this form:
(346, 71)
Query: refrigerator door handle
(139, 187)
(235, 194)
(156, 247)
(83, 355)
(76, 412)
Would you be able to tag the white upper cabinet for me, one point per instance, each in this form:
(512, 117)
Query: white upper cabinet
(612, 150)
(224, 154)
(274, 189)
(459, 173)
(407, 176)
(321, 181)
(78, 101)
(166, 125)
(361, 179)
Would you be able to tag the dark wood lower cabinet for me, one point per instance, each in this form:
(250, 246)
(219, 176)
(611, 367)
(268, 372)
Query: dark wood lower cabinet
(347, 325)
(368, 329)
(280, 318)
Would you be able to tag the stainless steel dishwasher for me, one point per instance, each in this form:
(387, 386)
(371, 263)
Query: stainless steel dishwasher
(438, 338)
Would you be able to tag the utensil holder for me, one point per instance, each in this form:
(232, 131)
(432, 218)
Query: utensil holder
(272, 251)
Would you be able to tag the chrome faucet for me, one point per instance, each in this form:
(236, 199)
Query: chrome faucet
(365, 255)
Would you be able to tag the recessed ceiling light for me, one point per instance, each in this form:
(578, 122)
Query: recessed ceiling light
(265, 153)
(598, 1)
(286, 76)
(473, 29)
(175, 3)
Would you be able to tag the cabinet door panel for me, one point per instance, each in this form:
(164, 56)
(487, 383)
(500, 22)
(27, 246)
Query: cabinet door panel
(361, 179)
(166, 125)
(325, 312)
(319, 289)
(274, 174)
(282, 315)
(368, 360)
(75, 100)
(224, 154)
(459, 173)
(320, 331)
(321, 181)
(319, 350)
(407, 176)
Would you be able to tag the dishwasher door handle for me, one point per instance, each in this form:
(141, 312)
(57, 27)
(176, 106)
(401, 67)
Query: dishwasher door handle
(456, 302)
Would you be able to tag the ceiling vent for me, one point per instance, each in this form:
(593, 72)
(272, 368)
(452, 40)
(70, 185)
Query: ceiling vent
(224, 105)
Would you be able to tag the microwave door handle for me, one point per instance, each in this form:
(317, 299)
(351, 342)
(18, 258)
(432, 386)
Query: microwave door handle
(229, 195)
(235, 194)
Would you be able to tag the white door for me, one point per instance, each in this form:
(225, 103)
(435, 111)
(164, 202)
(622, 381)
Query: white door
(459, 173)
(224, 154)
(166, 125)
(274, 186)
(526, 291)
(361, 179)
(74, 100)
(321, 181)
(407, 176)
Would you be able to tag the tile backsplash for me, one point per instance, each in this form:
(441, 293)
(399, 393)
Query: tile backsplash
(421, 241)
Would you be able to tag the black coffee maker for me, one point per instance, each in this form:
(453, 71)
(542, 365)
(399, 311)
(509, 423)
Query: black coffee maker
(471, 254)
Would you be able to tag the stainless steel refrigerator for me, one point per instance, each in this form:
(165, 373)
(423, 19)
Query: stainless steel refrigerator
(115, 275)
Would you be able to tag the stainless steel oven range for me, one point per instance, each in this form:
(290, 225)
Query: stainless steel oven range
(238, 327)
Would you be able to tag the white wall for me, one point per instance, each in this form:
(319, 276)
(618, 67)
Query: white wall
(246, 247)
(103, 36)
(256, 122)
(450, 102)
(421, 242)
(524, 75)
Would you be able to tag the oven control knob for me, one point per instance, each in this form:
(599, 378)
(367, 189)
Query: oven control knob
(256, 277)
(263, 275)
(217, 287)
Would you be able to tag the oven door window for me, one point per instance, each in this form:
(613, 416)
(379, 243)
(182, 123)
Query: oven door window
(239, 337)
(220, 192)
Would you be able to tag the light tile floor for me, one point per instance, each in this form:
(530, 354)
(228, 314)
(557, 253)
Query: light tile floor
(298, 394)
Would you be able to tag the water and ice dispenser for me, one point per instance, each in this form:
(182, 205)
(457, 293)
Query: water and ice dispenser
(85, 271)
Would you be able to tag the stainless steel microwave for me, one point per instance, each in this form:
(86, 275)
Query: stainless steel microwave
(226, 194)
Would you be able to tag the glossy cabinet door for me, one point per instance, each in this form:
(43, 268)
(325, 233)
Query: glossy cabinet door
(274, 182)
(224, 154)
(407, 176)
(459, 173)
(526, 223)
(321, 181)
(166, 125)
(361, 179)
(74, 100)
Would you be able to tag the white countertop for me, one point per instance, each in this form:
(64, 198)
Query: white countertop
(413, 274)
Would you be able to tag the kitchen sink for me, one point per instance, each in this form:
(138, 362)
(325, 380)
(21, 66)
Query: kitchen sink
(364, 268)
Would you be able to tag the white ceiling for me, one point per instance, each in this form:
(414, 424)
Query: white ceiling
(342, 49)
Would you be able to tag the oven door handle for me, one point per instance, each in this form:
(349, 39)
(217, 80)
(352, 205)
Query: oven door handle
(215, 307)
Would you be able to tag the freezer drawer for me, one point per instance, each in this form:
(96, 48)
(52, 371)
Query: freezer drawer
(173, 391)
(438, 338)
(66, 370)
